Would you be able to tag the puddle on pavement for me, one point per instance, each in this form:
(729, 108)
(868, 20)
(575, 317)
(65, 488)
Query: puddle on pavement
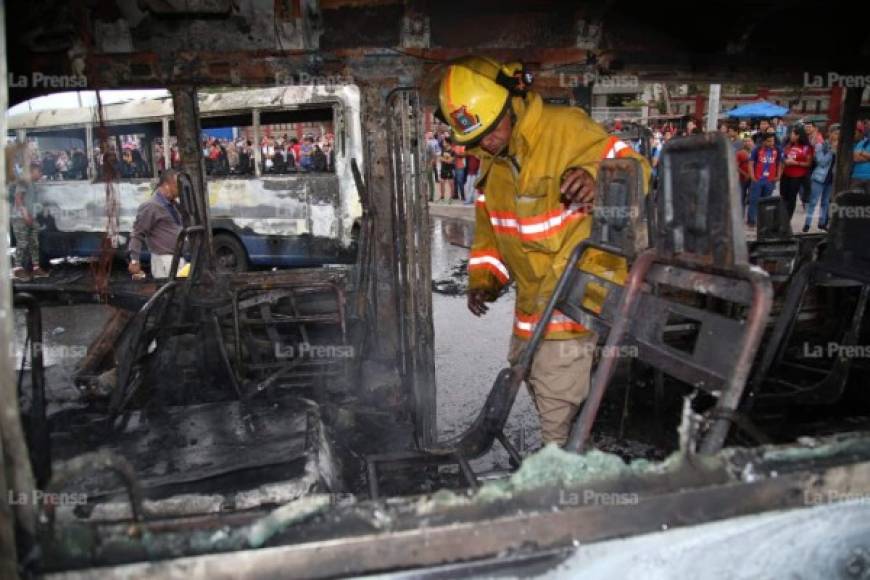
(470, 351)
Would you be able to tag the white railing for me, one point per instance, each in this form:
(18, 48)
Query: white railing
(624, 113)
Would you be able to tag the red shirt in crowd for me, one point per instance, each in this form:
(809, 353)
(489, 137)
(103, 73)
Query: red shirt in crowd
(801, 154)
(766, 161)
(459, 156)
(473, 164)
(743, 164)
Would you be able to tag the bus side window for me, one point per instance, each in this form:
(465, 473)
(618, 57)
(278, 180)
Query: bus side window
(228, 145)
(128, 150)
(304, 138)
(60, 153)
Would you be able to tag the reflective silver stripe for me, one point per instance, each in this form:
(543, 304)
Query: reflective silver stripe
(504, 222)
(492, 261)
(616, 148)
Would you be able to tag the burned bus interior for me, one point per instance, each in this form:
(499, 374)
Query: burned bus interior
(283, 422)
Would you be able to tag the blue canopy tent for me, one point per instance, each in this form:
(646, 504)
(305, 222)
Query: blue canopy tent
(758, 109)
(225, 133)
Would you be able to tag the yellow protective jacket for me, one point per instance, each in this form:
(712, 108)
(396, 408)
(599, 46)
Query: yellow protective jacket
(523, 231)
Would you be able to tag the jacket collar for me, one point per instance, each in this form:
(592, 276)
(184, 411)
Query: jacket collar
(527, 129)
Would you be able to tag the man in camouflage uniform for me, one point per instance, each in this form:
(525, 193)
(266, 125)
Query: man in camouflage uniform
(25, 227)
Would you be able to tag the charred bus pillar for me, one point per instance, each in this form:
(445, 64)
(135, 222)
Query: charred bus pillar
(400, 331)
(843, 170)
(16, 474)
(187, 128)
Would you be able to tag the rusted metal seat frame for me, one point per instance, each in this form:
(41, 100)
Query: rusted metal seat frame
(727, 378)
(264, 301)
(619, 227)
(776, 249)
(689, 257)
(842, 262)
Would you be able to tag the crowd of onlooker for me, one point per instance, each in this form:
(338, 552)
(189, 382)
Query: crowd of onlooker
(450, 168)
(62, 164)
(278, 155)
(796, 161)
(131, 164)
(72, 164)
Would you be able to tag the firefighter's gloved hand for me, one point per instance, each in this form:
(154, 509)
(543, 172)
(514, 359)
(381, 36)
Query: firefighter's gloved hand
(477, 300)
(578, 186)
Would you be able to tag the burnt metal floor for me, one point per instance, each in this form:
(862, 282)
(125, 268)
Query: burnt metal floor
(207, 448)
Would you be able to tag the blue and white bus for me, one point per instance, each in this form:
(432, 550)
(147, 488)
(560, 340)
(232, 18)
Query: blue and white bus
(280, 185)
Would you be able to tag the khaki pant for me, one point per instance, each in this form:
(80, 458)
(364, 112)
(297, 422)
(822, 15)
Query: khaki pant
(558, 381)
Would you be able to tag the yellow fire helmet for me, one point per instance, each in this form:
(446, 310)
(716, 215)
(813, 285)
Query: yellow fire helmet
(471, 99)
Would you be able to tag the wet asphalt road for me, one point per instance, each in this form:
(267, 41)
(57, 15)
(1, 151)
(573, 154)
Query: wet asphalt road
(470, 351)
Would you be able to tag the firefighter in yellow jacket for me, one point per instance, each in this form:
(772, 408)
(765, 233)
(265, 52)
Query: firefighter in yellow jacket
(537, 177)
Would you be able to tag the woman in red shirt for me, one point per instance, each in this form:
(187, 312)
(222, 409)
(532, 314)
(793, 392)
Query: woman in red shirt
(797, 162)
(744, 159)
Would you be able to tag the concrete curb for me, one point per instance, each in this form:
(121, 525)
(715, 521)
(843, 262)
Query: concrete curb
(455, 210)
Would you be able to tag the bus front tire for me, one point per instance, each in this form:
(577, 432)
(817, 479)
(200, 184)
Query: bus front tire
(230, 254)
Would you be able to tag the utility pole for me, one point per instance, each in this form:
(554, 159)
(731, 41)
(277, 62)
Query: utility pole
(713, 107)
